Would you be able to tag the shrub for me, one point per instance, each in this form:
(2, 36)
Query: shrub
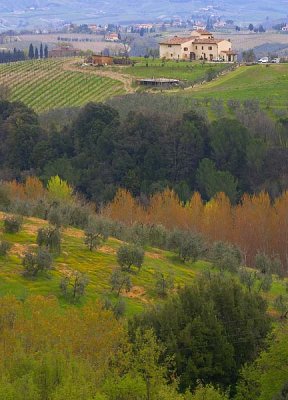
(4, 248)
(117, 308)
(225, 256)
(96, 232)
(191, 247)
(164, 283)
(74, 285)
(55, 217)
(120, 280)
(50, 238)
(37, 262)
(4, 197)
(12, 224)
(21, 207)
(157, 236)
(130, 255)
(139, 234)
(248, 278)
(79, 215)
(174, 239)
(263, 263)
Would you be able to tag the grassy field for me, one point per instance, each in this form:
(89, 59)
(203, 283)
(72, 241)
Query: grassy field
(148, 68)
(97, 265)
(45, 84)
(260, 82)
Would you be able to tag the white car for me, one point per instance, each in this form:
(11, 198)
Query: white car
(275, 61)
(263, 60)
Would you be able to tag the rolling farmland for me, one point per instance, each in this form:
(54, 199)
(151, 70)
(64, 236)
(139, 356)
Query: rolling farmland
(45, 84)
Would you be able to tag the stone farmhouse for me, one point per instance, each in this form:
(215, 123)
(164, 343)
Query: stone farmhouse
(201, 45)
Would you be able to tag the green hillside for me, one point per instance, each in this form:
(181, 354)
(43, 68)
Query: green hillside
(49, 84)
(258, 82)
(45, 84)
(192, 72)
(97, 266)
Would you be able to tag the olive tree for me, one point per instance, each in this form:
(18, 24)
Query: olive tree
(164, 283)
(4, 247)
(225, 256)
(96, 232)
(120, 280)
(74, 285)
(34, 263)
(12, 224)
(129, 255)
(50, 238)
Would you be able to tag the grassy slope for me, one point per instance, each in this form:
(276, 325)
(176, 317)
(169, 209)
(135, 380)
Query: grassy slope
(171, 69)
(98, 265)
(45, 84)
(255, 82)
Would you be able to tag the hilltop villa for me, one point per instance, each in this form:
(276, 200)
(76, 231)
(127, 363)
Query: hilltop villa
(201, 45)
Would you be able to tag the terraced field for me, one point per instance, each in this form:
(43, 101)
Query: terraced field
(45, 84)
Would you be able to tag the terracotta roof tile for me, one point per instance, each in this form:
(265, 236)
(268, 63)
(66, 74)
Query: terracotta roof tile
(203, 32)
(208, 41)
(178, 40)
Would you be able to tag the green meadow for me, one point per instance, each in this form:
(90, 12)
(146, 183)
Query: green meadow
(149, 68)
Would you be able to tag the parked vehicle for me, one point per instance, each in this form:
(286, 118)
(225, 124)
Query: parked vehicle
(275, 61)
(263, 60)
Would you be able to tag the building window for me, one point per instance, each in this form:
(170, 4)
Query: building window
(202, 47)
(210, 48)
(196, 47)
(169, 45)
(185, 48)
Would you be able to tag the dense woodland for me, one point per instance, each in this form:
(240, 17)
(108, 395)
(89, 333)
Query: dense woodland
(146, 152)
(213, 191)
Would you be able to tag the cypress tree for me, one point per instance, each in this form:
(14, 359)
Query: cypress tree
(31, 52)
(46, 51)
(41, 51)
(36, 53)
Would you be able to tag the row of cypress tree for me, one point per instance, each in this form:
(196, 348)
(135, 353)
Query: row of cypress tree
(34, 53)
(12, 56)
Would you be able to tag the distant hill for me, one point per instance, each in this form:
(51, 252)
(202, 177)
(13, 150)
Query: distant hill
(32, 12)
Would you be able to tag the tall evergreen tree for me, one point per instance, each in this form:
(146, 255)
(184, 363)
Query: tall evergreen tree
(31, 54)
(46, 51)
(41, 51)
(36, 55)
